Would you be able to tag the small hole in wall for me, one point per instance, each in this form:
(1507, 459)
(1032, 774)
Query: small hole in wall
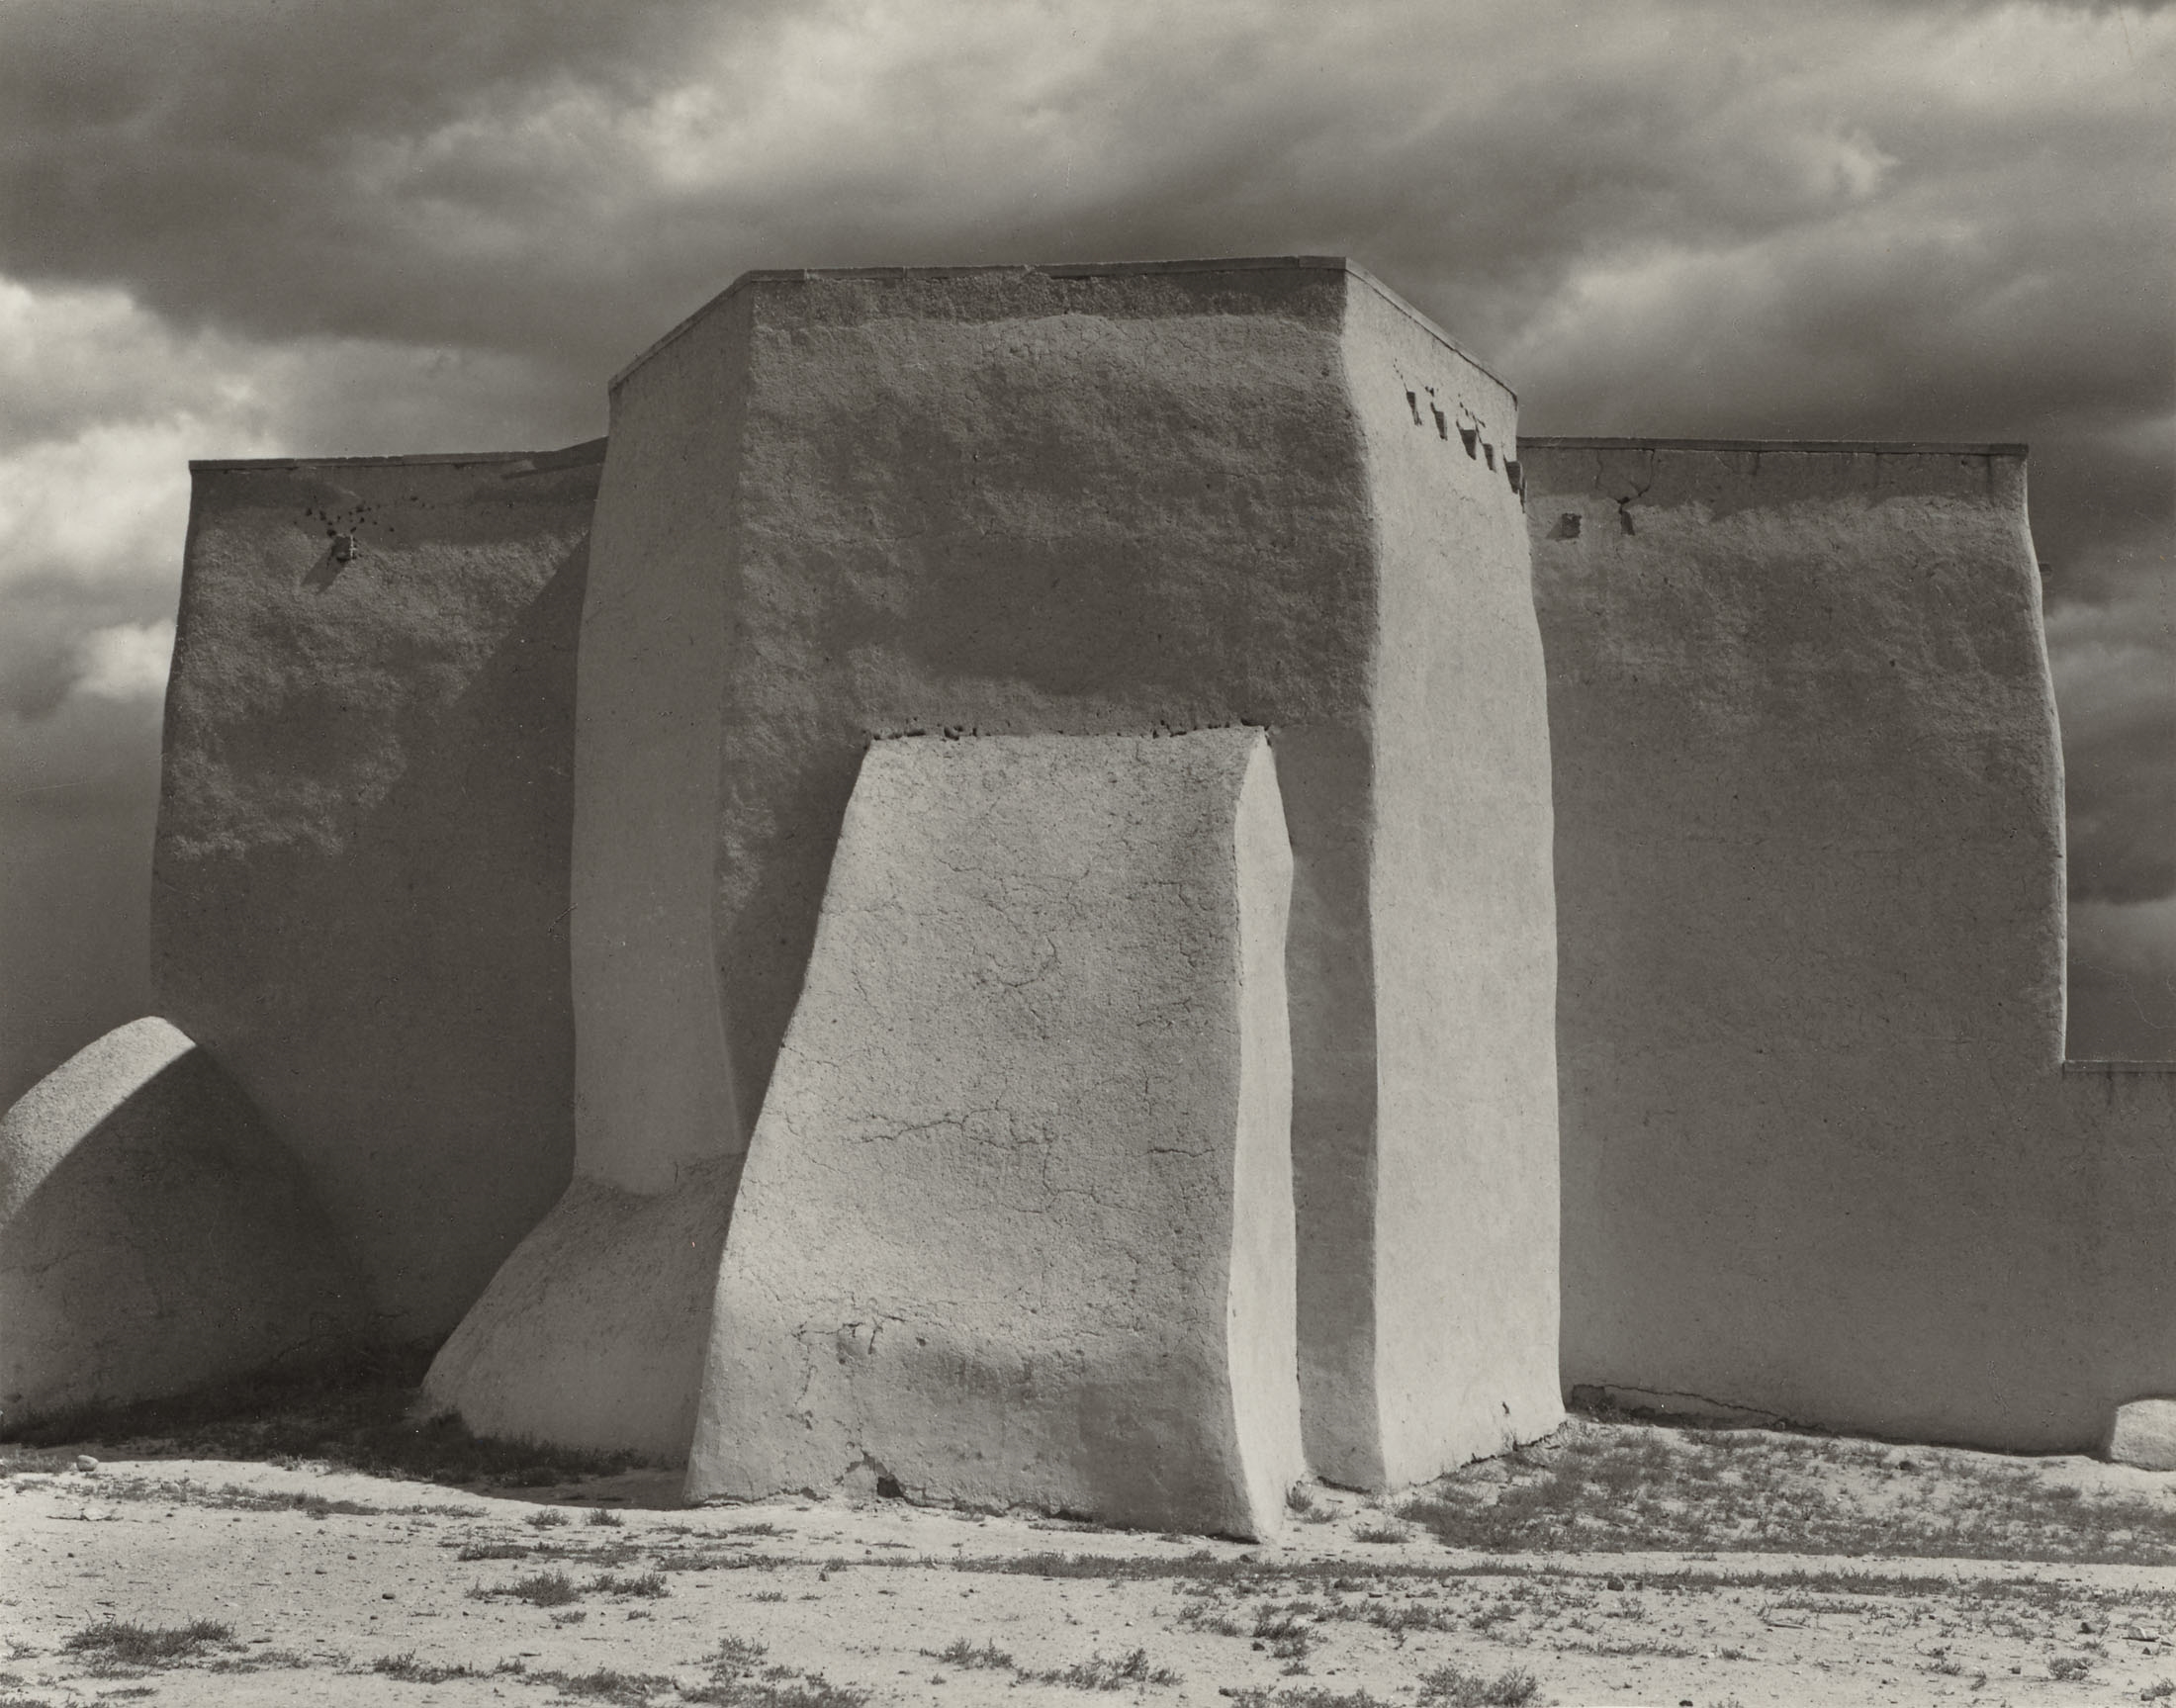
(1442, 427)
(1511, 474)
(1412, 403)
(1489, 452)
(1472, 437)
(887, 1489)
(1624, 519)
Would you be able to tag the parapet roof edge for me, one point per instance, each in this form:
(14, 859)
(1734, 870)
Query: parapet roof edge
(1073, 270)
(566, 457)
(1878, 447)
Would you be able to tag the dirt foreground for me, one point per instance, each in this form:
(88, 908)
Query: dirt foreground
(182, 1581)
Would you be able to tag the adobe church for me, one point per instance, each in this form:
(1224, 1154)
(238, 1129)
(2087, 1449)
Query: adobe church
(1093, 889)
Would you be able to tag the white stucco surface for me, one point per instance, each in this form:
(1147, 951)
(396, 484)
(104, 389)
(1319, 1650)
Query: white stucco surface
(1015, 1227)
(155, 1236)
(1103, 500)
(360, 880)
(1819, 1158)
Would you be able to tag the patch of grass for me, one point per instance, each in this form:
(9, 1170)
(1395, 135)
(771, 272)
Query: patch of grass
(1202, 1617)
(493, 1550)
(1450, 1685)
(346, 1408)
(262, 1660)
(735, 1655)
(731, 1686)
(960, 1653)
(603, 1518)
(547, 1518)
(539, 1589)
(1605, 1485)
(651, 1585)
(1376, 1531)
(605, 1685)
(118, 1644)
(234, 1495)
(1098, 1674)
(411, 1670)
(1285, 1631)
(717, 1561)
(1307, 1697)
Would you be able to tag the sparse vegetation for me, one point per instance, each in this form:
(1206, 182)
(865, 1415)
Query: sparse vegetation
(1098, 1674)
(960, 1653)
(1452, 1686)
(115, 1642)
(1600, 1487)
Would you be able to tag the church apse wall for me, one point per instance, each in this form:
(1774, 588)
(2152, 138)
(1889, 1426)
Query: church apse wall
(555, 851)
(1821, 1157)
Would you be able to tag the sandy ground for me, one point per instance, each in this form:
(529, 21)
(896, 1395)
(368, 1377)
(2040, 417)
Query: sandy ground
(342, 1588)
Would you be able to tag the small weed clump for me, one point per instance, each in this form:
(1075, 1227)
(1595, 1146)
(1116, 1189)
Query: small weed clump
(539, 1589)
(411, 1670)
(603, 1518)
(493, 1550)
(1098, 1674)
(607, 1684)
(547, 1518)
(1452, 1686)
(112, 1642)
(960, 1653)
(1376, 1531)
(650, 1585)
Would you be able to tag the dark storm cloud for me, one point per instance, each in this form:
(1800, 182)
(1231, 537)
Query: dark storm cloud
(259, 225)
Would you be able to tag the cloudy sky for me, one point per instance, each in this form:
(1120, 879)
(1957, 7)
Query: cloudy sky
(249, 227)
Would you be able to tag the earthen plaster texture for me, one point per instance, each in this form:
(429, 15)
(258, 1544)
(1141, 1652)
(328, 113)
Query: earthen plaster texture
(361, 870)
(1819, 1158)
(154, 1235)
(1016, 1225)
(1104, 500)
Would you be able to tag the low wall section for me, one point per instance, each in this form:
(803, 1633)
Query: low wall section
(1820, 1158)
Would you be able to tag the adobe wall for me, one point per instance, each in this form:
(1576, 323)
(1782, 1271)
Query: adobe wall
(1100, 500)
(361, 868)
(1016, 1225)
(1818, 1156)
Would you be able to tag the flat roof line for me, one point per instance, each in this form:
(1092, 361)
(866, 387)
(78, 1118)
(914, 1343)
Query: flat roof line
(1876, 447)
(1070, 270)
(570, 456)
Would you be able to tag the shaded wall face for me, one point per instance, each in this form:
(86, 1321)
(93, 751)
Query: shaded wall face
(1809, 865)
(360, 875)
